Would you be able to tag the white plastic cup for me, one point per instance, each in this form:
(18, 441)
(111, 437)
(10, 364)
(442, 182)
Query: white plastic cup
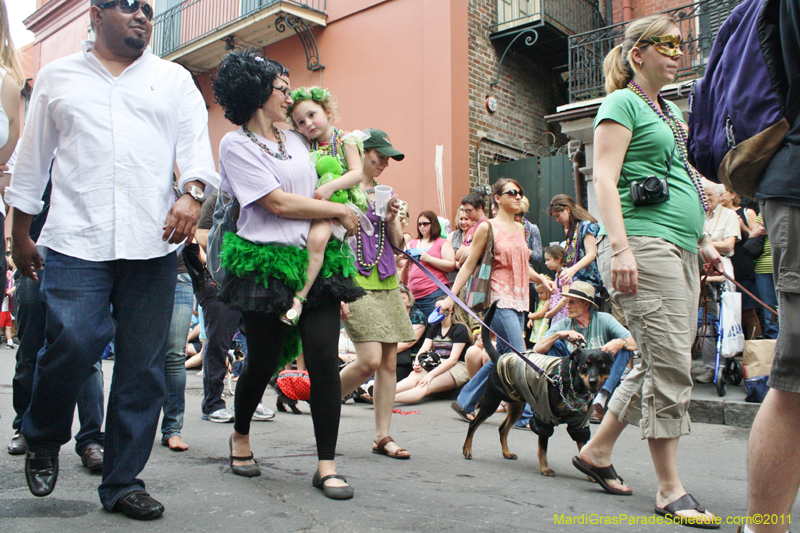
(382, 195)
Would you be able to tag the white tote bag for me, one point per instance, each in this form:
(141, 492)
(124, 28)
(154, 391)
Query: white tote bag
(732, 334)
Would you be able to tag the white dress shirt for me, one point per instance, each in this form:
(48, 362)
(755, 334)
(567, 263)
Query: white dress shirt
(118, 140)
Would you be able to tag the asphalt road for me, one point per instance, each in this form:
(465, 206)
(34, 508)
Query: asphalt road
(436, 490)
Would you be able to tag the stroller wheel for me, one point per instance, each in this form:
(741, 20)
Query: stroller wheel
(735, 373)
(722, 382)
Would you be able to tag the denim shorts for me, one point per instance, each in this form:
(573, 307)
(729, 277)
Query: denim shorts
(782, 221)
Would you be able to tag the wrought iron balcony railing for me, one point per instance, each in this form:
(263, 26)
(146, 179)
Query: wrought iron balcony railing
(569, 16)
(185, 21)
(698, 24)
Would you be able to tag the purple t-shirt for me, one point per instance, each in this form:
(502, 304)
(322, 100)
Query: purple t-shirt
(249, 173)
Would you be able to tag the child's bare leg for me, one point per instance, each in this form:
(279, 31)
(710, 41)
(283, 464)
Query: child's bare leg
(317, 241)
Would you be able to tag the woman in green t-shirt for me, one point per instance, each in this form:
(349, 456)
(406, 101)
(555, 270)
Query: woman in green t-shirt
(647, 252)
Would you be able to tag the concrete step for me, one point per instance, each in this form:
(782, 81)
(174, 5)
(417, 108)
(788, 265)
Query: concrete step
(729, 410)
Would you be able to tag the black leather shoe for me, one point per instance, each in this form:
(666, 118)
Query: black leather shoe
(41, 472)
(18, 444)
(92, 457)
(139, 506)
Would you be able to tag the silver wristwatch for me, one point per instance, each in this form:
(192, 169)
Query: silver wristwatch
(197, 193)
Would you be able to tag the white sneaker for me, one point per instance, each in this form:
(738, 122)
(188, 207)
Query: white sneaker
(706, 377)
(221, 416)
(263, 413)
(11, 345)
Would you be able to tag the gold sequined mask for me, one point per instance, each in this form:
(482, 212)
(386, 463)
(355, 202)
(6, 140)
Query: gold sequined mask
(669, 45)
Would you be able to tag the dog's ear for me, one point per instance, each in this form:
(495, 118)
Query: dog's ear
(576, 354)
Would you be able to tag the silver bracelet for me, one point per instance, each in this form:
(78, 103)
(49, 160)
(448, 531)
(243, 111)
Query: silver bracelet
(615, 254)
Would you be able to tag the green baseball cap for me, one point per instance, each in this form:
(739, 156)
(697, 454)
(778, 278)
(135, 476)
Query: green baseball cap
(380, 141)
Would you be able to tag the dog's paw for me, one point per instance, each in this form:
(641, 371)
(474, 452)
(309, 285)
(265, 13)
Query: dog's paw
(467, 454)
(510, 455)
(547, 471)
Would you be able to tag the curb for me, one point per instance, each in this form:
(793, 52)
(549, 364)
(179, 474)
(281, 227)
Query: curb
(723, 412)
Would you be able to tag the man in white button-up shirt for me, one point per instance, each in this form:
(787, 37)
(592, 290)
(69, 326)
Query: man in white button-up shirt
(121, 118)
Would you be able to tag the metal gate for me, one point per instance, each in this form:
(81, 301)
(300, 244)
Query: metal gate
(541, 179)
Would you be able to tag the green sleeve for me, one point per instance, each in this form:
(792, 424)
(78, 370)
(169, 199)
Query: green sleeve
(619, 107)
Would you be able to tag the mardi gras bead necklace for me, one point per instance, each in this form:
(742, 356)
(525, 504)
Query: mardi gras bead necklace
(582, 403)
(572, 245)
(680, 139)
(282, 154)
(360, 245)
(333, 145)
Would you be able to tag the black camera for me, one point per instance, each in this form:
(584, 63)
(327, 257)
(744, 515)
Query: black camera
(651, 190)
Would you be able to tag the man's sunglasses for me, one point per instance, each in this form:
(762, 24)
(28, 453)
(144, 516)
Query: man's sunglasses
(130, 7)
(513, 193)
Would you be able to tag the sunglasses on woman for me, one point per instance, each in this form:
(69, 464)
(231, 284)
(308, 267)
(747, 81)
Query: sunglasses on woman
(423, 224)
(130, 7)
(513, 193)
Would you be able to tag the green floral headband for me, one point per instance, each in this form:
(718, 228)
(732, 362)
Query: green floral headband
(318, 94)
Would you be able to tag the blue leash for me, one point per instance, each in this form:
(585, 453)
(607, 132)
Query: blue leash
(463, 306)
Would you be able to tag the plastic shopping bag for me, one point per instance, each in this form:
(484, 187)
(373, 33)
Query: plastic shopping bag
(732, 334)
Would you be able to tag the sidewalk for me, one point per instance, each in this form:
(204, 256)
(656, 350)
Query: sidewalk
(729, 410)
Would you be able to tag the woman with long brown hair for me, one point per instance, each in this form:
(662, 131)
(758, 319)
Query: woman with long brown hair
(648, 258)
(581, 229)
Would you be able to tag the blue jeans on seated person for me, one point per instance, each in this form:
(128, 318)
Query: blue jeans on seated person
(76, 295)
(509, 324)
(175, 364)
(559, 349)
(765, 284)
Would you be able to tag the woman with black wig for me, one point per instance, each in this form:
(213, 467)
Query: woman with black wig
(268, 171)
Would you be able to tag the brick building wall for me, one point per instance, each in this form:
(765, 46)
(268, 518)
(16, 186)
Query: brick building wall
(642, 8)
(526, 92)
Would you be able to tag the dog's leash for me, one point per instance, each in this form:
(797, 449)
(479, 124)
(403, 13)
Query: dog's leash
(751, 295)
(463, 306)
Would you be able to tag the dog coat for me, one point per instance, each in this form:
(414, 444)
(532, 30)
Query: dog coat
(523, 383)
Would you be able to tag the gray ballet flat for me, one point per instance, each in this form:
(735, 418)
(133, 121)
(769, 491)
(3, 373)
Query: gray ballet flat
(243, 470)
(334, 493)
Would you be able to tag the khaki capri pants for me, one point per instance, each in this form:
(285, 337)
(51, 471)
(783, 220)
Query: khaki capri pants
(662, 318)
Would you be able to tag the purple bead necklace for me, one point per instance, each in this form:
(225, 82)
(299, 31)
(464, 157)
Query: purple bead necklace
(680, 139)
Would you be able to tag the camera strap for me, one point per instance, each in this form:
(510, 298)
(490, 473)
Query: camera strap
(668, 162)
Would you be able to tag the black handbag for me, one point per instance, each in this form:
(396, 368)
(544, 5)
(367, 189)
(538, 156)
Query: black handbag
(195, 267)
(429, 360)
(754, 247)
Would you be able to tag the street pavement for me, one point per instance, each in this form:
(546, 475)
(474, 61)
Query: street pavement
(436, 490)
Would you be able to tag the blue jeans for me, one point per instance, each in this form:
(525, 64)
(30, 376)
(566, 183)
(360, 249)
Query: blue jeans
(509, 324)
(765, 284)
(174, 366)
(31, 322)
(427, 304)
(76, 295)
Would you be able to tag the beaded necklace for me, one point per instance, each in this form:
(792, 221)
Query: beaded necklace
(359, 247)
(282, 154)
(333, 144)
(572, 245)
(525, 225)
(581, 405)
(680, 138)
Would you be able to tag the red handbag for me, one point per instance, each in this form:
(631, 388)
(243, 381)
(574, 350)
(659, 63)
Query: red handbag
(295, 385)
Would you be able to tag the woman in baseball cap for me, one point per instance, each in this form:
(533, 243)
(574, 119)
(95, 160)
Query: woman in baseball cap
(377, 321)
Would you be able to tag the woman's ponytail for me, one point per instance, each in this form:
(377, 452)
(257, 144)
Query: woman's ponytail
(616, 70)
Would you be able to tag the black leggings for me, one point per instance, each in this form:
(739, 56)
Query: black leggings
(319, 331)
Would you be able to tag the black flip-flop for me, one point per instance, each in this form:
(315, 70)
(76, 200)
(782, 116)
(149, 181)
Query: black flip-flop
(684, 503)
(461, 412)
(600, 475)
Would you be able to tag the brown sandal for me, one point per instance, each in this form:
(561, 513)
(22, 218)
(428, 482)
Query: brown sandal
(380, 449)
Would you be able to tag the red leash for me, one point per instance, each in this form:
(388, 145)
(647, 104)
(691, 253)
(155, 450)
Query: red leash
(750, 294)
